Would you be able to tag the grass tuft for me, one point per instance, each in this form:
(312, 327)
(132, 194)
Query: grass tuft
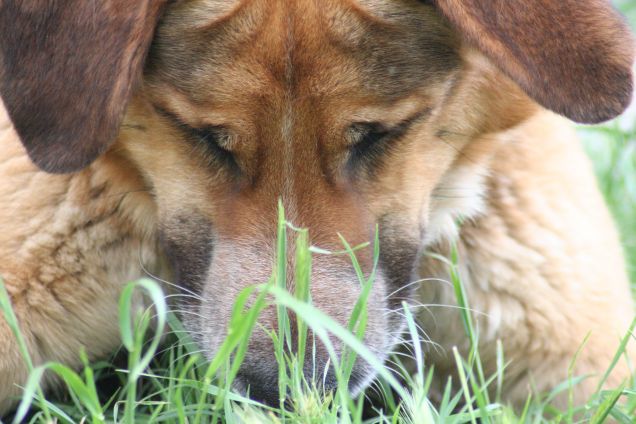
(178, 385)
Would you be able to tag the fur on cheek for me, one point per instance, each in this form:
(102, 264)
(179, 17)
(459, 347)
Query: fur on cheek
(458, 197)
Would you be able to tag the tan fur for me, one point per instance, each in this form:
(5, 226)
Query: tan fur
(242, 104)
(542, 268)
(68, 245)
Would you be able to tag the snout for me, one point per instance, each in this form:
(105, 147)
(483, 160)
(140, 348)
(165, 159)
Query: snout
(259, 374)
(335, 289)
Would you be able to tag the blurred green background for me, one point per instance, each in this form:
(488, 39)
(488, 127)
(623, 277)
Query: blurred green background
(629, 8)
(612, 147)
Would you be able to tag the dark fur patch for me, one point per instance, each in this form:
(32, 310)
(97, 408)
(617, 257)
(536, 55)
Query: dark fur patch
(573, 56)
(66, 73)
(398, 252)
(411, 47)
(188, 242)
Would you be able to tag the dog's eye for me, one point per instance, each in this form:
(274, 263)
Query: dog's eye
(369, 142)
(217, 140)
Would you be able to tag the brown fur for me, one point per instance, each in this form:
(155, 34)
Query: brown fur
(529, 40)
(354, 113)
(71, 113)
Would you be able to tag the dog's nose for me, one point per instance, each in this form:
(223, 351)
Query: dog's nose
(268, 391)
(261, 387)
(260, 381)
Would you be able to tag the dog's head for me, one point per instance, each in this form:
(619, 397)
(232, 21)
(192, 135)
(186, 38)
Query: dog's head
(354, 113)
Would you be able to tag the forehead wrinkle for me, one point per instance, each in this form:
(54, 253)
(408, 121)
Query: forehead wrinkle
(398, 52)
(186, 55)
(383, 12)
(204, 14)
(234, 24)
(386, 58)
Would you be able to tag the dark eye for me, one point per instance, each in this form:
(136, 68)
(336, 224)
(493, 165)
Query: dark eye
(372, 141)
(216, 141)
(369, 143)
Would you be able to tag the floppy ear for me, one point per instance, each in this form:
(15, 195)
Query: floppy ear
(66, 72)
(574, 57)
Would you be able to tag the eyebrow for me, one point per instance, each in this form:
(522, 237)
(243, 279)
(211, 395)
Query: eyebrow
(174, 118)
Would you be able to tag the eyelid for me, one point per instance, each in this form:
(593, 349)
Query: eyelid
(374, 140)
(220, 133)
(360, 130)
(219, 147)
(214, 134)
(390, 132)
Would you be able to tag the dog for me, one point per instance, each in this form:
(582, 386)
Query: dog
(158, 136)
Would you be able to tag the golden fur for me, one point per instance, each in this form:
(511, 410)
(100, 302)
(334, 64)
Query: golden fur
(354, 113)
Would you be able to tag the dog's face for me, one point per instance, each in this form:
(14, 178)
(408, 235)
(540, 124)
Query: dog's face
(329, 108)
(355, 114)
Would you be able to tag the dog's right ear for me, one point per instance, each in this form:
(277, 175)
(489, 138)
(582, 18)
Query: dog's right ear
(67, 69)
(574, 57)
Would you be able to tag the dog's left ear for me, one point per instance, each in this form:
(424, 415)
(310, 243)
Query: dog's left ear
(574, 57)
(67, 69)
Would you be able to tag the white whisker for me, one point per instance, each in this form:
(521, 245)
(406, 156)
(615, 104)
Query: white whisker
(157, 278)
(422, 280)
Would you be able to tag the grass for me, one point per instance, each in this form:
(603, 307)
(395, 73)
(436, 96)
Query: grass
(612, 148)
(175, 384)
